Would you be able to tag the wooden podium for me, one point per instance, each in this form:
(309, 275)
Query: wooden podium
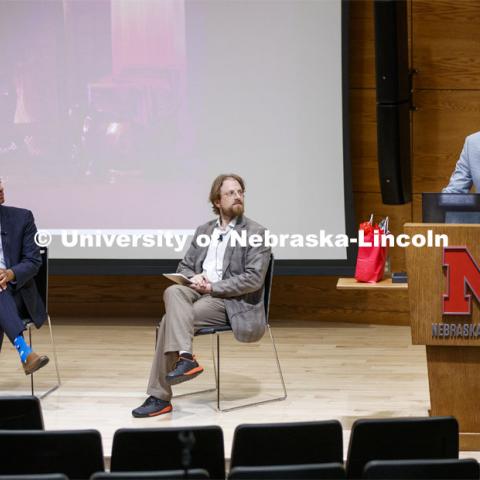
(453, 361)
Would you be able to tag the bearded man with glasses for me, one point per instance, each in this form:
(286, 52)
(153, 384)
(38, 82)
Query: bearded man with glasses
(227, 286)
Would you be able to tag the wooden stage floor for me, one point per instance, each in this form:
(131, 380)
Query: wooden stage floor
(332, 371)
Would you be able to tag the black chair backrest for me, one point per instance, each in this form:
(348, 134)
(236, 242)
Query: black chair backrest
(162, 449)
(315, 471)
(75, 453)
(467, 468)
(46, 476)
(400, 439)
(20, 413)
(194, 473)
(268, 286)
(287, 444)
(41, 278)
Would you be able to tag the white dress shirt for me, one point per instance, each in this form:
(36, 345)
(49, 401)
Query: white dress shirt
(213, 264)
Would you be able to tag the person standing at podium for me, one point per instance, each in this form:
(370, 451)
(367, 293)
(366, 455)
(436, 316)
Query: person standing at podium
(467, 169)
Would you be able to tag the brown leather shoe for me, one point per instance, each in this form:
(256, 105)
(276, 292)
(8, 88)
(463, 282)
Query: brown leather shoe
(34, 362)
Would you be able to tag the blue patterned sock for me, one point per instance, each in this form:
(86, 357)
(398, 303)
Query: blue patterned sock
(22, 348)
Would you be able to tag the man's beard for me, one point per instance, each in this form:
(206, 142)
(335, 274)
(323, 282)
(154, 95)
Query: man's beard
(234, 210)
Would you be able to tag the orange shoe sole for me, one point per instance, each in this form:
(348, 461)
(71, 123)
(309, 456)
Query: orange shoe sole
(161, 412)
(190, 375)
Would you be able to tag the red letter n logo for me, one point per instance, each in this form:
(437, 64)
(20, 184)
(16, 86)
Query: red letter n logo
(463, 274)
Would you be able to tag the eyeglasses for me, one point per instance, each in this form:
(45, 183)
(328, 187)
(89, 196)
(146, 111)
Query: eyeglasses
(232, 193)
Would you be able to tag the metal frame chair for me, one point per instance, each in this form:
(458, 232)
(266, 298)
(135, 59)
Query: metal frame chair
(41, 280)
(216, 333)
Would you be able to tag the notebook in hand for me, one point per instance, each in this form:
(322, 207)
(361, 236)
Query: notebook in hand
(178, 278)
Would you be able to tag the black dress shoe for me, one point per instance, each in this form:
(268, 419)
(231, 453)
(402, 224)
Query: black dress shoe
(152, 407)
(185, 369)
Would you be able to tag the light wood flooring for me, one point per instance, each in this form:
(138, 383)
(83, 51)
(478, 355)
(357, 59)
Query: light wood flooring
(332, 371)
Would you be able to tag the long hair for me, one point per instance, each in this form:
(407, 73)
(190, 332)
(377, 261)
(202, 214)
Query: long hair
(217, 185)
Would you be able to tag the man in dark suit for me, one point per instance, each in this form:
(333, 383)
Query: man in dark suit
(19, 262)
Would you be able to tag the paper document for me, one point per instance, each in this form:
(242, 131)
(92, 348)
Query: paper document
(178, 278)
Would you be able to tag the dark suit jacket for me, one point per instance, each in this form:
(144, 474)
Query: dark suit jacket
(242, 285)
(22, 255)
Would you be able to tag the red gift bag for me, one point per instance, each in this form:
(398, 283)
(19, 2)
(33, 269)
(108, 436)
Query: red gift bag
(371, 259)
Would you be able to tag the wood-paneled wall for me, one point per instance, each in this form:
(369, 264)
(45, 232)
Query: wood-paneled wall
(445, 50)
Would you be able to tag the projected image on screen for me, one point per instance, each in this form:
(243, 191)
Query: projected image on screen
(119, 114)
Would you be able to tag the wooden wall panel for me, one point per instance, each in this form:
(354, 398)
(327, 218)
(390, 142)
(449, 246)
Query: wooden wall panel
(293, 298)
(106, 295)
(446, 44)
(417, 208)
(316, 298)
(363, 144)
(362, 46)
(443, 119)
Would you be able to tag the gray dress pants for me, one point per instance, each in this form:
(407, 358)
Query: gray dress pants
(186, 312)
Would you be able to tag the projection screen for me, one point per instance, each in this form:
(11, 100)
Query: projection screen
(117, 115)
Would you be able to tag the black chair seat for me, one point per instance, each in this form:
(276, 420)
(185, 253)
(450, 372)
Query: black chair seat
(315, 471)
(40, 476)
(466, 468)
(192, 474)
(212, 330)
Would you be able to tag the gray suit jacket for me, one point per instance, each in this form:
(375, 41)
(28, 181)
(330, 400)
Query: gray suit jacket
(467, 170)
(242, 284)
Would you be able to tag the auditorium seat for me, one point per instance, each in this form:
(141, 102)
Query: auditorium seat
(422, 469)
(315, 471)
(400, 439)
(45, 476)
(287, 443)
(164, 449)
(76, 453)
(193, 474)
(20, 413)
